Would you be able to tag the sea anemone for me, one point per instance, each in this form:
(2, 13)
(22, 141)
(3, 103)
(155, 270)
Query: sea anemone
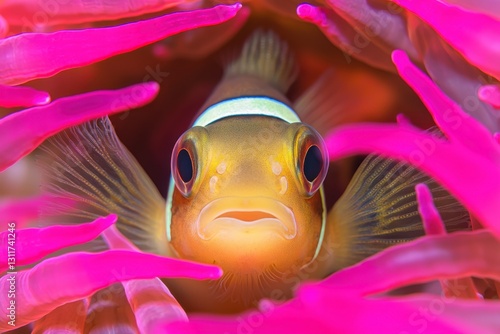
(451, 67)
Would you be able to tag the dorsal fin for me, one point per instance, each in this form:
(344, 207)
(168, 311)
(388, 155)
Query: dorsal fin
(379, 209)
(89, 173)
(264, 68)
(320, 105)
(266, 56)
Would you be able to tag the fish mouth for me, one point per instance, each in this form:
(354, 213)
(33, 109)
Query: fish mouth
(246, 215)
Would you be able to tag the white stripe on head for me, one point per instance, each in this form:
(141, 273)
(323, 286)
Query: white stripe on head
(247, 106)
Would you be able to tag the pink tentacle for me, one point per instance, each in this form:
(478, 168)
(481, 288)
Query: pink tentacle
(109, 312)
(455, 123)
(25, 57)
(408, 314)
(69, 317)
(27, 13)
(22, 132)
(22, 97)
(477, 40)
(20, 211)
(31, 245)
(490, 94)
(151, 301)
(4, 27)
(461, 172)
(74, 276)
(448, 256)
(431, 219)
(341, 34)
(433, 225)
(468, 161)
(380, 21)
(327, 311)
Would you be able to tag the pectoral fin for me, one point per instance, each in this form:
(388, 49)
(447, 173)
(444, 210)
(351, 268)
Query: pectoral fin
(379, 209)
(88, 173)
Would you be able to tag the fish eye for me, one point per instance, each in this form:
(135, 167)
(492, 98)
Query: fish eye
(185, 165)
(188, 159)
(311, 160)
(313, 163)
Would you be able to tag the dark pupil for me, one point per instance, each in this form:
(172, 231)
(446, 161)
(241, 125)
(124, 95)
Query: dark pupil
(185, 166)
(313, 162)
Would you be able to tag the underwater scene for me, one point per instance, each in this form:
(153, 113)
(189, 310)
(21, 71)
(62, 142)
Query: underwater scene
(250, 167)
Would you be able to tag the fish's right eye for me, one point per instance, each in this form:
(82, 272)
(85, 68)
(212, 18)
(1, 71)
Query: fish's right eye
(188, 159)
(185, 165)
(313, 163)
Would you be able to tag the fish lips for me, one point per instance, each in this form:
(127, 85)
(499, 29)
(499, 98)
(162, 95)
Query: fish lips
(250, 215)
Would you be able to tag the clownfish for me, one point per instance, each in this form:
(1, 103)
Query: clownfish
(246, 191)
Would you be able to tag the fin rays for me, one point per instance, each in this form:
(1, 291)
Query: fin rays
(266, 56)
(379, 208)
(89, 167)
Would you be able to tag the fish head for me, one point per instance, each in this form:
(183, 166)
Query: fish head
(248, 194)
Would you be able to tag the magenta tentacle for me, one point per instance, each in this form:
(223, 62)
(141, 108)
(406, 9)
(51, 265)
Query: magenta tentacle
(69, 317)
(459, 171)
(31, 245)
(490, 94)
(79, 275)
(468, 160)
(22, 97)
(433, 225)
(340, 33)
(20, 211)
(420, 261)
(477, 40)
(26, 12)
(431, 219)
(30, 56)
(22, 132)
(150, 300)
(453, 121)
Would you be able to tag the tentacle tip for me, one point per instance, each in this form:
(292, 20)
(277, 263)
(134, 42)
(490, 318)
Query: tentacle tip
(209, 272)
(398, 56)
(307, 12)
(304, 8)
(236, 6)
(230, 10)
(421, 187)
(488, 93)
(423, 193)
(42, 99)
(216, 273)
(402, 120)
(152, 86)
(107, 221)
(112, 218)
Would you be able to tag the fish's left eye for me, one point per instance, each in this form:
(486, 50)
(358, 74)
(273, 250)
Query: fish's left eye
(313, 163)
(185, 165)
(311, 158)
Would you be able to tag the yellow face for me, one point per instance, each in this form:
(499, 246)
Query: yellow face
(247, 195)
